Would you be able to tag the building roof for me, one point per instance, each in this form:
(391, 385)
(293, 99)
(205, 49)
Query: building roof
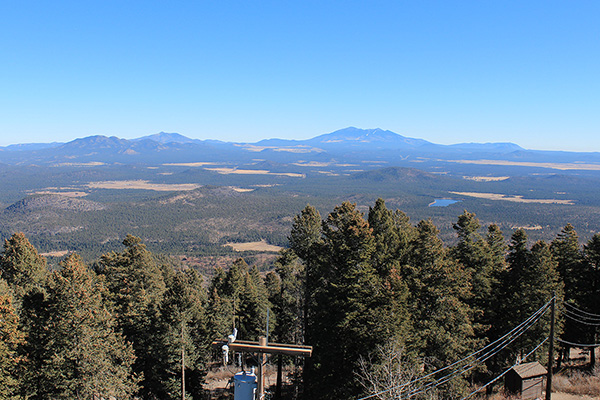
(529, 370)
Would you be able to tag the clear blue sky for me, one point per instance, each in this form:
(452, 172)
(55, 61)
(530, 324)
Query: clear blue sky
(446, 71)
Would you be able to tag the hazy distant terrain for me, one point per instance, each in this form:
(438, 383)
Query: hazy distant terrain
(192, 197)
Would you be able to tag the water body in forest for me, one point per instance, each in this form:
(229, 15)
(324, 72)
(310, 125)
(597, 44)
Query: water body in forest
(442, 202)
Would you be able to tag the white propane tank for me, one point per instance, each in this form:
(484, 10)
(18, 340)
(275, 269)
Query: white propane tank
(244, 386)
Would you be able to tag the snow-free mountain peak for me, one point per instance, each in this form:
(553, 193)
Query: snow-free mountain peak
(352, 135)
(166, 137)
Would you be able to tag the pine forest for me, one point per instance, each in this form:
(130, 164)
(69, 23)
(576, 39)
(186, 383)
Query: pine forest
(390, 310)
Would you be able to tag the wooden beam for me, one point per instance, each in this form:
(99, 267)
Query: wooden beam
(271, 348)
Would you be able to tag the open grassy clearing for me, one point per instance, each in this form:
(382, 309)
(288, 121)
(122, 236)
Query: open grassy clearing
(190, 164)
(486, 178)
(516, 199)
(559, 166)
(254, 246)
(66, 194)
(226, 171)
(142, 185)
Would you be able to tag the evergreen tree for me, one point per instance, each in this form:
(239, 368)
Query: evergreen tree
(21, 266)
(254, 304)
(287, 297)
(183, 312)
(305, 241)
(393, 237)
(393, 234)
(73, 350)
(306, 232)
(220, 311)
(10, 339)
(572, 269)
(540, 282)
(137, 290)
(590, 296)
(566, 251)
(528, 284)
(345, 320)
(479, 260)
(439, 288)
(497, 245)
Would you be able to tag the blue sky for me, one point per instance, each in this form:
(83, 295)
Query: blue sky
(446, 71)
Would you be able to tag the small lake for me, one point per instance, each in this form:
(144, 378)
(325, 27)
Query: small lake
(442, 202)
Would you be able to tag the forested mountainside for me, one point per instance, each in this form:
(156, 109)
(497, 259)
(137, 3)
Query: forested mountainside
(370, 292)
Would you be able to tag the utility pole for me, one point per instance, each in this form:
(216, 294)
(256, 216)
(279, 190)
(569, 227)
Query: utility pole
(262, 361)
(551, 349)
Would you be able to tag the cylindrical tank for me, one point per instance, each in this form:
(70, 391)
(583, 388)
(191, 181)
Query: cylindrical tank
(244, 386)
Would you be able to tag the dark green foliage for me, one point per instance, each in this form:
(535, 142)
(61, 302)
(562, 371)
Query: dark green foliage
(10, 338)
(183, 312)
(73, 350)
(483, 259)
(220, 308)
(393, 234)
(137, 290)
(286, 294)
(306, 232)
(569, 256)
(239, 299)
(590, 287)
(439, 287)
(529, 282)
(345, 322)
(21, 266)
(346, 286)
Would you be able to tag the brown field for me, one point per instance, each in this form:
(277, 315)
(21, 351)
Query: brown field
(527, 227)
(559, 166)
(517, 199)
(226, 171)
(312, 164)
(191, 164)
(55, 253)
(66, 194)
(143, 185)
(253, 246)
(88, 164)
(486, 178)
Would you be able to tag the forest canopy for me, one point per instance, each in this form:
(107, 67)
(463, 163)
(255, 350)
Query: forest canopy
(358, 288)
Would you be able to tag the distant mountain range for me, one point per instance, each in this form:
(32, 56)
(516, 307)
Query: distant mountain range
(348, 145)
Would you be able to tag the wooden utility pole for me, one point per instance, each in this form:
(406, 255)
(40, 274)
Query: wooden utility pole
(262, 361)
(551, 350)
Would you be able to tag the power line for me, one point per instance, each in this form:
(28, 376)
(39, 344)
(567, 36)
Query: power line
(580, 315)
(470, 366)
(510, 337)
(578, 344)
(566, 313)
(505, 372)
(593, 316)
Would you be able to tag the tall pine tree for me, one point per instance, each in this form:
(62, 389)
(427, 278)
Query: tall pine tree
(137, 288)
(74, 350)
(11, 338)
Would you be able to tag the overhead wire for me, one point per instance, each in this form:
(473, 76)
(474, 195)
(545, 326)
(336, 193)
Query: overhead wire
(505, 372)
(579, 313)
(567, 314)
(518, 330)
(578, 344)
(593, 316)
(470, 366)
